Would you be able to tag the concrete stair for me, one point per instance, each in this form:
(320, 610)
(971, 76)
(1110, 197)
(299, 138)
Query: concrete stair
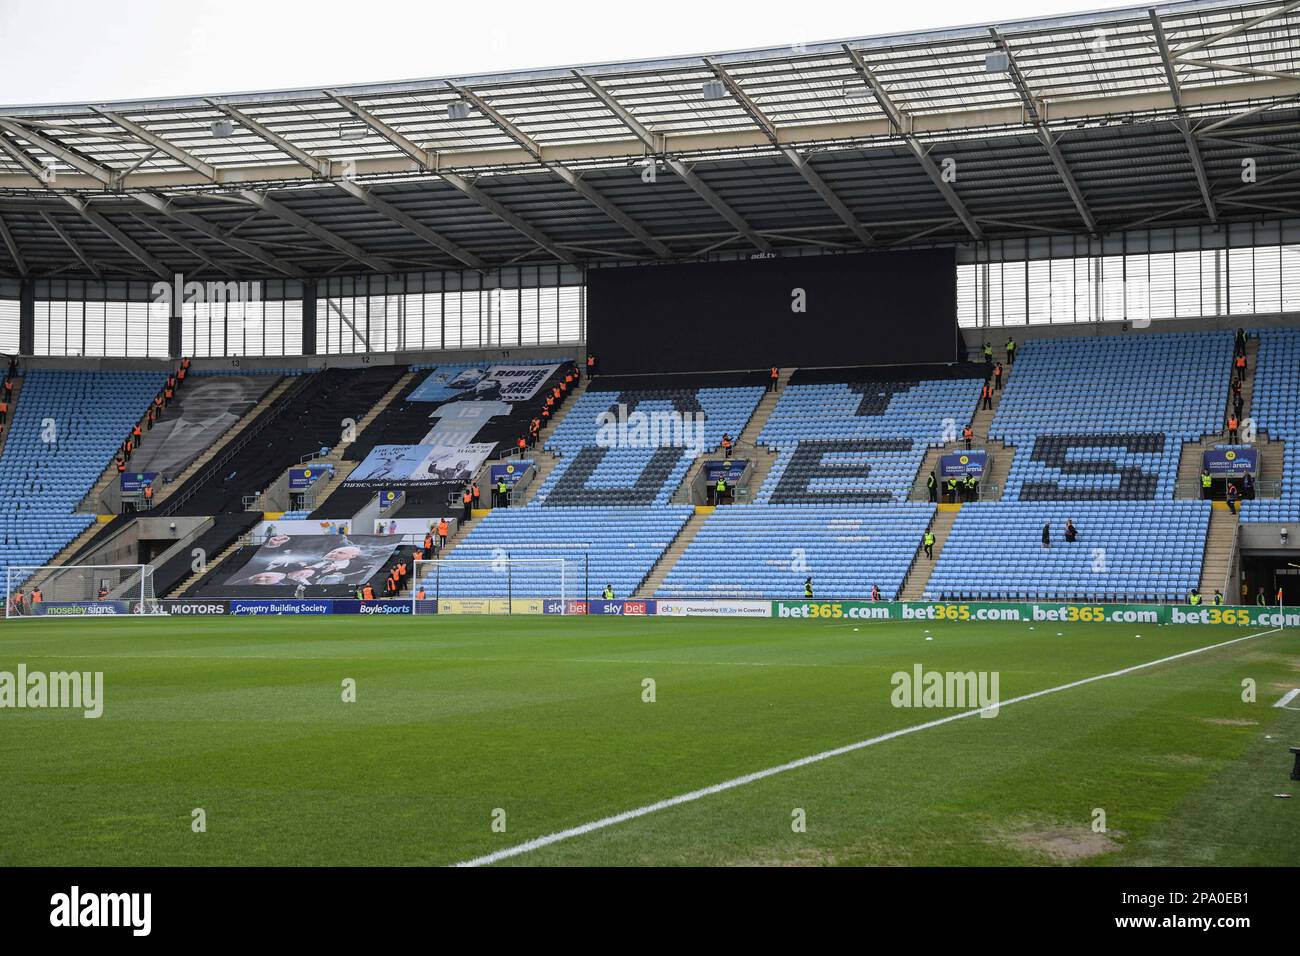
(546, 461)
(918, 576)
(1000, 455)
(183, 588)
(13, 407)
(746, 446)
(672, 554)
(1220, 542)
(758, 421)
(1270, 451)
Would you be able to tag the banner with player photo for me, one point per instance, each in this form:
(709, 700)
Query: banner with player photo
(395, 465)
(318, 559)
(497, 383)
(202, 412)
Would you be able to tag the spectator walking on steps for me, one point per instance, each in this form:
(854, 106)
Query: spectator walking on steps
(1071, 532)
(932, 487)
(1047, 535)
(1239, 345)
(1247, 487)
(1231, 497)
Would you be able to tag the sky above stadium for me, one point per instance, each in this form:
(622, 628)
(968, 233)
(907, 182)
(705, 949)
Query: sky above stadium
(76, 51)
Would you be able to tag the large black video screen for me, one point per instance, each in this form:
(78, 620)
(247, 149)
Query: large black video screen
(879, 308)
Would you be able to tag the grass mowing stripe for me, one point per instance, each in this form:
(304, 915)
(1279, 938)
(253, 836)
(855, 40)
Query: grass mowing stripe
(605, 822)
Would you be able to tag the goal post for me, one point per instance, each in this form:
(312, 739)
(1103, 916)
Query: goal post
(492, 585)
(79, 590)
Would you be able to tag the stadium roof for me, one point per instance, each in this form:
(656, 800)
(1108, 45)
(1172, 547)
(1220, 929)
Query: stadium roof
(1092, 123)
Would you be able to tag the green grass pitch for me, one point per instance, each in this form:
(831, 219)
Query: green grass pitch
(456, 718)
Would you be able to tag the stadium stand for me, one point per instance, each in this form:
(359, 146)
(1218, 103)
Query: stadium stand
(615, 546)
(307, 418)
(407, 420)
(607, 464)
(1126, 550)
(1105, 417)
(1275, 408)
(67, 426)
(861, 437)
(766, 551)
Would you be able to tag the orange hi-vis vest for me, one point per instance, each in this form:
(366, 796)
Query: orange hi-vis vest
(467, 497)
(368, 593)
(442, 527)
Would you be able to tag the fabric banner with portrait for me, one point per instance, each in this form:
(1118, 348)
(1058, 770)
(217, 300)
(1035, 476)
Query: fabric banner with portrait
(311, 560)
(396, 465)
(203, 411)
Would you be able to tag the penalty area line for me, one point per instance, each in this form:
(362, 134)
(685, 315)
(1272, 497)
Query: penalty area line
(562, 835)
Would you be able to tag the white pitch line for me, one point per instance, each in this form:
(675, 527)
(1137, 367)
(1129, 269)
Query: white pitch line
(601, 824)
(1287, 698)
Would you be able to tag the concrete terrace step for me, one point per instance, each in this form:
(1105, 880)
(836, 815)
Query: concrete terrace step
(918, 576)
(673, 553)
(1220, 543)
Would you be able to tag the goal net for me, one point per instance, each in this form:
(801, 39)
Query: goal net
(79, 590)
(492, 585)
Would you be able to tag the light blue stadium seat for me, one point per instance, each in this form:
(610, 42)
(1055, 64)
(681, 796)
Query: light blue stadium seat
(767, 551)
(66, 428)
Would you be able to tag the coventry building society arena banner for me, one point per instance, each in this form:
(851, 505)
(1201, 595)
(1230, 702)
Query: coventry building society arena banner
(286, 560)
